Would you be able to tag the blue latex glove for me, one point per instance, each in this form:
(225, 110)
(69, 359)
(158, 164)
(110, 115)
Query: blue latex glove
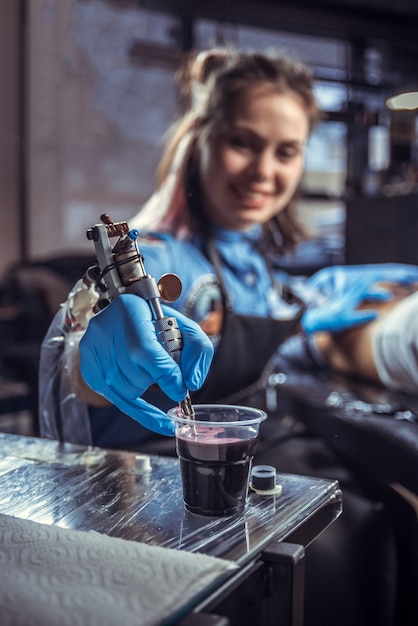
(340, 313)
(120, 357)
(335, 280)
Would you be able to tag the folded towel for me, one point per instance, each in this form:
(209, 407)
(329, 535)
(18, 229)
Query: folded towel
(53, 576)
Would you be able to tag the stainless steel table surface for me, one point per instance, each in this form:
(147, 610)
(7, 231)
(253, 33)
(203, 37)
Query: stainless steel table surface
(87, 488)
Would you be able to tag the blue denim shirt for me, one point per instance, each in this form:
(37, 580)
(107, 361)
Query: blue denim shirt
(247, 279)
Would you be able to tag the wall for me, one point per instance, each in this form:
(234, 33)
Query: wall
(96, 120)
(382, 230)
(9, 133)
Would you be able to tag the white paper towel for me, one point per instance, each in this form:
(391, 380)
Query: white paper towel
(53, 576)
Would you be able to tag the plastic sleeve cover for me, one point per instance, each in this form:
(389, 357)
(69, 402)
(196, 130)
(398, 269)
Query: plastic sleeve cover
(63, 415)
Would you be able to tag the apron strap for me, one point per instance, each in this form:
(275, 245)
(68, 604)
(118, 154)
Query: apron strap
(212, 253)
(247, 344)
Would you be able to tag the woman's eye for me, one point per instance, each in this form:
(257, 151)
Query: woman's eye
(239, 142)
(288, 152)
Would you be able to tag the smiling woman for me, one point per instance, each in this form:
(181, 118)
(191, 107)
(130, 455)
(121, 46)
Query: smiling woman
(223, 208)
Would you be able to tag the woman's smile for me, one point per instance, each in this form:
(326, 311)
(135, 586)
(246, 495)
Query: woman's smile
(251, 198)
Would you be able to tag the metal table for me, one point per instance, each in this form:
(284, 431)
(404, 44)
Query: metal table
(113, 492)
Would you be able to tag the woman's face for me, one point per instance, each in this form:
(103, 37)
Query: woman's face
(250, 172)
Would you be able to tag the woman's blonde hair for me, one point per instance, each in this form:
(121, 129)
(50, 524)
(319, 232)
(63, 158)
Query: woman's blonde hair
(209, 83)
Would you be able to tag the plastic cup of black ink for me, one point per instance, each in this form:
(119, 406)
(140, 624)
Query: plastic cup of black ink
(215, 451)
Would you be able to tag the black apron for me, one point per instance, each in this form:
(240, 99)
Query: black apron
(246, 345)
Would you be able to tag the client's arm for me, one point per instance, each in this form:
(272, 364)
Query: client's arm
(351, 352)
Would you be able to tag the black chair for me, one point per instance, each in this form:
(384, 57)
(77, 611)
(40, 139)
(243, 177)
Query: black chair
(367, 437)
(30, 295)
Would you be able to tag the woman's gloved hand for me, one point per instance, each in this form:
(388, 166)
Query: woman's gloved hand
(335, 280)
(120, 357)
(340, 312)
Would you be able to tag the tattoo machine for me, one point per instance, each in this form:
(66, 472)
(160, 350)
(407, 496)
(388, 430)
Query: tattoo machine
(121, 270)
